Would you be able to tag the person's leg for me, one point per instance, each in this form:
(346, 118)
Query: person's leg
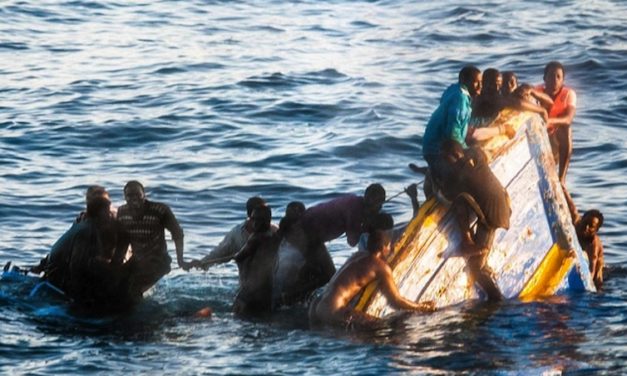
(565, 143)
(463, 216)
(483, 274)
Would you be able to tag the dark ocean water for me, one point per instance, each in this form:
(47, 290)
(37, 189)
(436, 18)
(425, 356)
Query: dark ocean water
(210, 102)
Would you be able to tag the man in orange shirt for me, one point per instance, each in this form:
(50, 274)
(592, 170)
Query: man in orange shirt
(561, 105)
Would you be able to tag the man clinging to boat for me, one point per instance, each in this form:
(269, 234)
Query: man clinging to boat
(587, 228)
(333, 308)
(561, 103)
(449, 124)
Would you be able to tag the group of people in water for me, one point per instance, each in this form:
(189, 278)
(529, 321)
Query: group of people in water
(458, 167)
(109, 258)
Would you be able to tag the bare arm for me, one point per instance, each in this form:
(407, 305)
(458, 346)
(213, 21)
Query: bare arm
(571, 206)
(564, 120)
(486, 133)
(598, 262)
(412, 192)
(390, 291)
(543, 98)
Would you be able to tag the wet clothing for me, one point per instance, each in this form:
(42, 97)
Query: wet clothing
(300, 268)
(449, 121)
(565, 98)
(150, 257)
(255, 263)
(329, 220)
(97, 277)
(57, 265)
(232, 243)
(472, 174)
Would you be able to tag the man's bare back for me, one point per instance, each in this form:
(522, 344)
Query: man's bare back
(333, 306)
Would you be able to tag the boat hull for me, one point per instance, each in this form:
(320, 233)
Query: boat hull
(537, 256)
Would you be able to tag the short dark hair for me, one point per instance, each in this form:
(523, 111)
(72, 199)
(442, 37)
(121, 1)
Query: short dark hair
(490, 75)
(378, 235)
(594, 213)
(520, 90)
(133, 183)
(509, 74)
(381, 221)
(375, 190)
(263, 210)
(467, 73)
(552, 66)
(253, 203)
(98, 206)
(94, 191)
(293, 212)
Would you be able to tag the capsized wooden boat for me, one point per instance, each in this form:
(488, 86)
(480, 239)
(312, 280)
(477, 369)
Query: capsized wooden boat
(538, 256)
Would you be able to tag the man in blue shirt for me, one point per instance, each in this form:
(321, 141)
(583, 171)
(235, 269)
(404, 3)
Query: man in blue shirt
(450, 120)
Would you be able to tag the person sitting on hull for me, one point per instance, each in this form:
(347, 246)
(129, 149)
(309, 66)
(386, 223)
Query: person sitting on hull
(97, 277)
(146, 222)
(471, 186)
(233, 241)
(333, 306)
(299, 269)
(255, 263)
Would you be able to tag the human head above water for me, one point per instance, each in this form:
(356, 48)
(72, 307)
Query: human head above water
(374, 197)
(134, 194)
(261, 218)
(470, 77)
(510, 82)
(592, 220)
(523, 92)
(492, 81)
(554, 75)
(253, 203)
(379, 233)
(94, 192)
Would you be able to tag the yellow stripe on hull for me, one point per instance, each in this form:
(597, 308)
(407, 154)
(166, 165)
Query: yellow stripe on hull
(549, 275)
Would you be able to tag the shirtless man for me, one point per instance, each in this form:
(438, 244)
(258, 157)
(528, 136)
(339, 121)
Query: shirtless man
(587, 228)
(255, 262)
(363, 267)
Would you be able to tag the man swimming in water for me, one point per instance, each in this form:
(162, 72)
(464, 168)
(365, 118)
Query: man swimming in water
(233, 241)
(97, 277)
(587, 228)
(55, 265)
(300, 269)
(363, 267)
(255, 262)
(146, 222)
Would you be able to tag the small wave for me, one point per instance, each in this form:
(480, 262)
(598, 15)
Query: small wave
(13, 46)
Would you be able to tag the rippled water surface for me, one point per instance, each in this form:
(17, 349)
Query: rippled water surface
(210, 102)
